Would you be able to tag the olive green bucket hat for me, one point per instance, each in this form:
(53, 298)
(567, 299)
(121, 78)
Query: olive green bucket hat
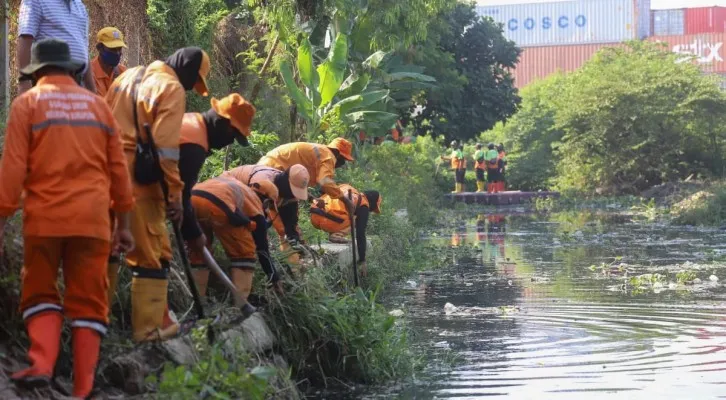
(51, 53)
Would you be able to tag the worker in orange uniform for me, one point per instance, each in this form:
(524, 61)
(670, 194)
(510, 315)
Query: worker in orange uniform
(63, 147)
(291, 184)
(320, 161)
(235, 214)
(458, 165)
(331, 215)
(106, 66)
(228, 120)
(152, 99)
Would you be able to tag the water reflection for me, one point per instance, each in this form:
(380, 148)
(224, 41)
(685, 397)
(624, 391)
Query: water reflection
(535, 319)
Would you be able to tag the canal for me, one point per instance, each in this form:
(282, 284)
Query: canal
(573, 305)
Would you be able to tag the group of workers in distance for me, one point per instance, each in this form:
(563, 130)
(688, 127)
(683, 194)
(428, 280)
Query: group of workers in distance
(490, 165)
(98, 175)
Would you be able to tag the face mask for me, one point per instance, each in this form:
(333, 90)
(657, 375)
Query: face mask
(110, 58)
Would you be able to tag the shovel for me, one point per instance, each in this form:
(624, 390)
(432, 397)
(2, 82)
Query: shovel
(351, 217)
(247, 308)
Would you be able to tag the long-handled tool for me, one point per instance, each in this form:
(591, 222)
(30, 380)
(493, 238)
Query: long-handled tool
(351, 217)
(247, 308)
(179, 240)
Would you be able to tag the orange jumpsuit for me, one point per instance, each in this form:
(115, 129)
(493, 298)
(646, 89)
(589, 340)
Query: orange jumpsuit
(160, 103)
(102, 80)
(317, 158)
(334, 216)
(63, 147)
(249, 174)
(226, 208)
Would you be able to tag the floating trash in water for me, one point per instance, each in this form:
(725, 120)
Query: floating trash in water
(713, 278)
(411, 284)
(469, 284)
(396, 313)
(509, 282)
(450, 308)
(442, 345)
(672, 286)
(697, 281)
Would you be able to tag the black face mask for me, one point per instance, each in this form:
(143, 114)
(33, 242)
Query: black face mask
(218, 130)
(282, 181)
(186, 63)
(339, 160)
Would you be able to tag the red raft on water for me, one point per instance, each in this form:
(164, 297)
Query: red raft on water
(501, 198)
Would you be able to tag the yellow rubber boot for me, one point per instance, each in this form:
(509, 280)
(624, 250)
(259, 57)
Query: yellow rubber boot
(201, 278)
(113, 265)
(148, 309)
(242, 279)
(456, 188)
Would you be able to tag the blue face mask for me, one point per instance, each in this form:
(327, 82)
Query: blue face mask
(110, 58)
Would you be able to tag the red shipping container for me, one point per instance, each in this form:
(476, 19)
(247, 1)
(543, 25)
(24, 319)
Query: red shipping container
(705, 20)
(540, 62)
(705, 50)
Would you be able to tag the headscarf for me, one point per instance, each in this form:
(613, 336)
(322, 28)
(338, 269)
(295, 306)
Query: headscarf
(186, 63)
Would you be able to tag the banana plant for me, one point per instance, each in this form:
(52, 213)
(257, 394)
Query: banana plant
(327, 90)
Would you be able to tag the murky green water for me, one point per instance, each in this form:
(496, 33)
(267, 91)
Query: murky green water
(543, 307)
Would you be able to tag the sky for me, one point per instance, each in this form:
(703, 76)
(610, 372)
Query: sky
(654, 4)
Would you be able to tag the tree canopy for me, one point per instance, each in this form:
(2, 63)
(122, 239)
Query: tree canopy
(631, 118)
(470, 59)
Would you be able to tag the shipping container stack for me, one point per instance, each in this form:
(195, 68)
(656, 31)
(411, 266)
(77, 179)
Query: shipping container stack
(563, 35)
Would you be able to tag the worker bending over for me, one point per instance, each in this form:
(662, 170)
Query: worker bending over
(458, 165)
(235, 214)
(63, 147)
(292, 186)
(320, 161)
(152, 100)
(480, 168)
(228, 120)
(331, 215)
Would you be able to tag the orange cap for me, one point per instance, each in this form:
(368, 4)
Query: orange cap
(344, 147)
(237, 110)
(201, 85)
(299, 178)
(266, 188)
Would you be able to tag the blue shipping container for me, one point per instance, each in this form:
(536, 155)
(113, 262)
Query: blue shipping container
(572, 22)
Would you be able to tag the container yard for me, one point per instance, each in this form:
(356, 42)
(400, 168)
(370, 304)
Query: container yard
(563, 35)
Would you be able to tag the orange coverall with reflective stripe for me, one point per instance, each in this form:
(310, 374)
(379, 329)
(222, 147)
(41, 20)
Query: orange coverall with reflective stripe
(101, 79)
(336, 209)
(160, 103)
(63, 147)
(317, 158)
(237, 241)
(249, 174)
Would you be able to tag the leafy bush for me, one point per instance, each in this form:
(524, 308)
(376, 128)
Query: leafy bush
(349, 337)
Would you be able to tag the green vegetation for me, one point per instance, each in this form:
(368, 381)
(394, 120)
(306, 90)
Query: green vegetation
(630, 119)
(706, 207)
(469, 58)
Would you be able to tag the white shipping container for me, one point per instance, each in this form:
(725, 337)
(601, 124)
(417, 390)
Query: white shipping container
(669, 22)
(572, 22)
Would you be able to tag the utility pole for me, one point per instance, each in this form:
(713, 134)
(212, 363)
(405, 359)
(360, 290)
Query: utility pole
(4, 57)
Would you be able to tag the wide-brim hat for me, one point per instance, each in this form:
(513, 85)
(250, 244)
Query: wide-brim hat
(237, 110)
(344, 147)
(51, 53)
